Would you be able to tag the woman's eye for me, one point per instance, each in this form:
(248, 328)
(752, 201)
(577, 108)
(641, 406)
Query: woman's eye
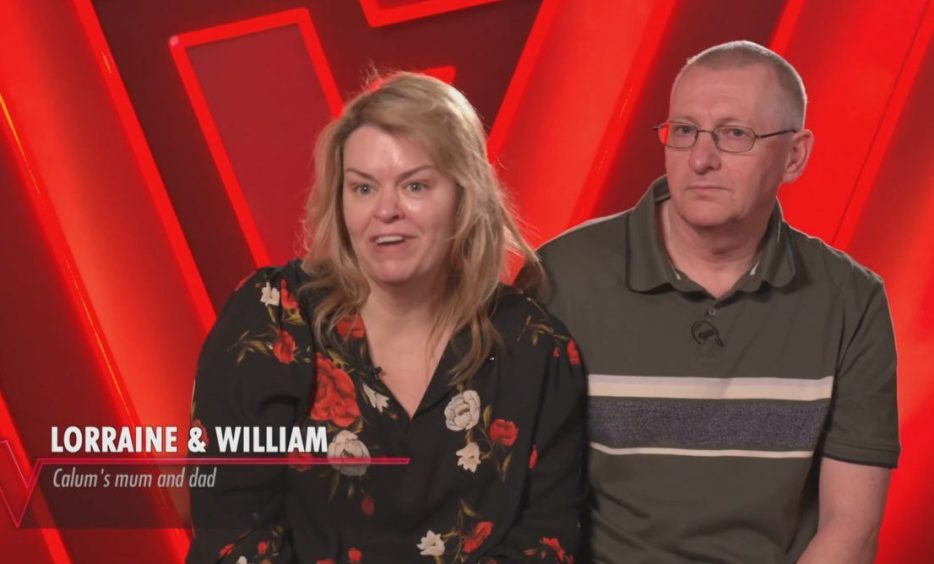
(362, 189)
(416, 186)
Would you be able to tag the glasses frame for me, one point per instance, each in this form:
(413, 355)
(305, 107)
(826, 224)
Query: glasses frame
(716, 138)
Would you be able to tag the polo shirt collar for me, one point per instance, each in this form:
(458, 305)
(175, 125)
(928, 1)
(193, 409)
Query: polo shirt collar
(776, 263)
(649, 267)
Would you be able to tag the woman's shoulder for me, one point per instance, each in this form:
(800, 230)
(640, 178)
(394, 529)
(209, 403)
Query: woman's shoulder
(260, 346)
(538, 346)
(265, 301)
(291, 274)
(261, 323)
(517, 315)
(269, 287)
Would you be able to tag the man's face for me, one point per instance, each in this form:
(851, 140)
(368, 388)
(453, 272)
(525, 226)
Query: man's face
(710, 188)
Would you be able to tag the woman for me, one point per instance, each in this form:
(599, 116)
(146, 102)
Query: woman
(396, 334)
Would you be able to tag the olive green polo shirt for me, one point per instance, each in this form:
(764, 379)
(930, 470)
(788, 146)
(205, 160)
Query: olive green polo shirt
(707, 417)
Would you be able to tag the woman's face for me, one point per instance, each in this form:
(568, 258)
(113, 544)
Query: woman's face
(398, 208)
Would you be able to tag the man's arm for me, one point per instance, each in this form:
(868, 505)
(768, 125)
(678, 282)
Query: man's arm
(852, 499)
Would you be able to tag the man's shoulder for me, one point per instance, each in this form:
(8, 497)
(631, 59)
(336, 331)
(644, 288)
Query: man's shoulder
(584, 263)
(593, 238)
(825, 263)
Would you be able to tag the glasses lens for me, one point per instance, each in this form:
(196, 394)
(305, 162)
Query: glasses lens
(734, 139)
(680, 135)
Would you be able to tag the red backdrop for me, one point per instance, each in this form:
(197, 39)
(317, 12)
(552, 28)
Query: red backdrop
(153, 153)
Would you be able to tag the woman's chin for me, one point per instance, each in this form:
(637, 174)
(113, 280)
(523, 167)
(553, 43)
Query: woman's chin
(393, 278)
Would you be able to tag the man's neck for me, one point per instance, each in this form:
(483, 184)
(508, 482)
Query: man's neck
(714, 258)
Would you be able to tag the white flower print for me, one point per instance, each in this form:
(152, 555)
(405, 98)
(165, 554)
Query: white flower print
(431, 544)
(270, 295)
(346, 445)
(376, 399)
(242, 560)
(463, 411)
(469, 457)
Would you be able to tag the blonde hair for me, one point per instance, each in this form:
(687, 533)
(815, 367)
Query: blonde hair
(442, 121)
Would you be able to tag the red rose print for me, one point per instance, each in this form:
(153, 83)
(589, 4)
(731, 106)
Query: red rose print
(554, 545)
(557, 352)
(354, 555)
(262, 547)
(286, 299)
(503, 432)
(367, 505)
(326, 561)
(574, 356)
(226, 549)
(335, 395)
(480, 532)
(350, 326)
(284, 348)
(533, 458)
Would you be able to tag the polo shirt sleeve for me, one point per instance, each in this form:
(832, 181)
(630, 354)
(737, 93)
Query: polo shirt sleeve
(862, 425)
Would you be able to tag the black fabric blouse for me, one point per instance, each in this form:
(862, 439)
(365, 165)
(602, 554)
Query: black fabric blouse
(495, 471)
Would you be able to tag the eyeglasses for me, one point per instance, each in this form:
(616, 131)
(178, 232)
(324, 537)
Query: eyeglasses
(727, 138)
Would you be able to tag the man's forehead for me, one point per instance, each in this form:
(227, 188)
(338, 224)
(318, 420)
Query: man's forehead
(749, 75)
(733, 92)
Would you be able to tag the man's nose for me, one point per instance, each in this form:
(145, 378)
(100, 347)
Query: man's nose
(704, 153)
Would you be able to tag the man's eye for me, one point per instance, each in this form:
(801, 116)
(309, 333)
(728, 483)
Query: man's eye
(735, 133)
(681, 129)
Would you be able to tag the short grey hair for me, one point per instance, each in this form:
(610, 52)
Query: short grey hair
(741, 53)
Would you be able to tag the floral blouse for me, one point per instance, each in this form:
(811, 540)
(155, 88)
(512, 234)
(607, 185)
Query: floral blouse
(495, 464)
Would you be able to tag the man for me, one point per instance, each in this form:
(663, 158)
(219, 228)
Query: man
(742, 388)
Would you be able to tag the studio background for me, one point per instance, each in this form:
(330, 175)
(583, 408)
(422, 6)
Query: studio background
(153, 153)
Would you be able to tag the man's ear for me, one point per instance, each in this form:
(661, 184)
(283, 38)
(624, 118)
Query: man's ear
(801, 145)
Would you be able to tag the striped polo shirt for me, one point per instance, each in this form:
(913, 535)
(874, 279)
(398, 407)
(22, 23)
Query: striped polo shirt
(708, 416)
